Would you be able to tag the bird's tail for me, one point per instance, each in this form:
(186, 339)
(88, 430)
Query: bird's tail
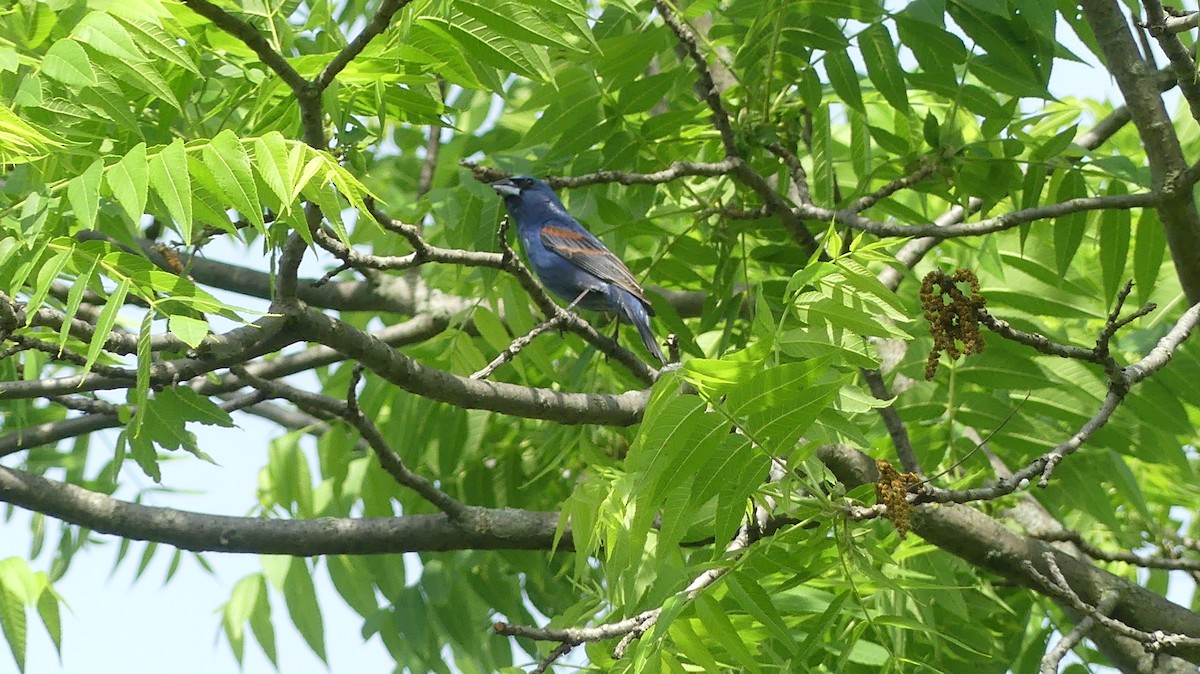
(633, 311)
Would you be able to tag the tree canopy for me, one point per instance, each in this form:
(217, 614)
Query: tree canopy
(931, 402)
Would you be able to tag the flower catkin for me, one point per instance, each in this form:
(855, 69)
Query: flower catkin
(951, 315)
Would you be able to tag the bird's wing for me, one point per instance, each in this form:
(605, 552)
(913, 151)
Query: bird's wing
(585, 251)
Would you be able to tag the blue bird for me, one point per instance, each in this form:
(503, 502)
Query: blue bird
(571, 262)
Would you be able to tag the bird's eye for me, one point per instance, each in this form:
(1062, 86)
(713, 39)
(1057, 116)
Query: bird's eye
(523, 183)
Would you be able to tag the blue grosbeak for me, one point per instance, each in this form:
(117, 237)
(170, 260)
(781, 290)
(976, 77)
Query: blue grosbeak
(571, 262)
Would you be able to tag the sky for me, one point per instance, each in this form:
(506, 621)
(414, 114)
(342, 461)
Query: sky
(114, 625)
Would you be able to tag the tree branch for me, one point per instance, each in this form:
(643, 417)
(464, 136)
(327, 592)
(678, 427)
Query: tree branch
(491, 529)
(708, 88)
(1140, 87)
(989, 545)
(999, 223)
(1121, 379)
(378, 24)
(536, 403)
(250, 36)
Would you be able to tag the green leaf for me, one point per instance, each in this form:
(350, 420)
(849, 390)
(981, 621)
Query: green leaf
(998, 74)
(301, 599)
(1148, 248)
(139, 75)
(1115, 231)
(75, 298)
(47, 607)
(853, 318)
(271, 163)
(262, 627)
(13, 623)
(191, 330)
(168, 174)
(751, 597)
(512, 19)
(883, 65)
(675, 440)
(716, 622)
(822, 177)
(154, 40)
(47, 275)
(129, 180)
(102, 32)
(67, 62)
(83, 193)
(230, 166)
(105, 322)
(20, 141)
(844, 78)
(488, 46)
(1069, 229)
(694, 647)
(139, 396)
(238, 610)
(184, 404)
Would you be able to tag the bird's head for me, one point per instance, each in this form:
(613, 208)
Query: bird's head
(523, 193)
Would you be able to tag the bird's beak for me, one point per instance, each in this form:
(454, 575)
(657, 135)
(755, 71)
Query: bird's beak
(506, 188)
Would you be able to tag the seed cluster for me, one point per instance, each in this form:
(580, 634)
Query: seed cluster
(951, 315)
(891, 489)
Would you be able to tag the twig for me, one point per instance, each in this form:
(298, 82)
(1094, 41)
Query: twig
(1056, 585)
(986, 226)
(799, 176)
(1097, 553)
(559, 651)
(524, 340)
(674, 171)
(1054, 656)
(89, 405)
(1182, 22)
(349, 411)
(329, 275)
(1120, 382)
(707, 87)
(893, 423)
(863, 203)
(1181, 60)
(253, 39)
(378, 24)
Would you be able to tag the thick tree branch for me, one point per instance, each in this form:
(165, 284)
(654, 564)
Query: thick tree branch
(264, 336)
(489, 529)
(536, 403)
(1140, 87)
(989, 545)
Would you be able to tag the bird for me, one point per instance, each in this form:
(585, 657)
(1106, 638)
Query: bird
(571, 262)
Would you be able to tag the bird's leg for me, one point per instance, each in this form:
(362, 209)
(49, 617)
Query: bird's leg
(577, 300)
(571, 307)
